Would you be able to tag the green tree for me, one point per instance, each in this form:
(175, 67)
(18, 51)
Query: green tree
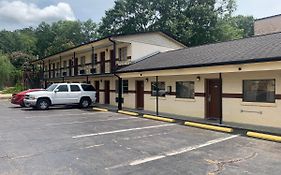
(89, 30)
(6, 69)
(192, 22)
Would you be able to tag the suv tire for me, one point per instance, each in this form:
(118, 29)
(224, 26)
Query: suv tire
(85, 102)
(43, 104)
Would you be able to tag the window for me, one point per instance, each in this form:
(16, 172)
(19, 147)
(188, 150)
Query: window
(161, 88)
(125, 86)
(123, 54)
(82, 61)
(63, 88)
(259, 91)
(88, 87)
(74, 88)
(185, 89)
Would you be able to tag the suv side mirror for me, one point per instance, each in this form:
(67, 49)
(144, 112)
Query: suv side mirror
(56, 90)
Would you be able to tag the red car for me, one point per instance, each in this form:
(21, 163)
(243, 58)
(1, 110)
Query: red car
(19, 97)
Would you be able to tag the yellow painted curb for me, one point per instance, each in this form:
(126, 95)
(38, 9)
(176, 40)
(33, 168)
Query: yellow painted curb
(159, 118)
(210, 127)
(128, 113)
(100, 109)
(264, 136)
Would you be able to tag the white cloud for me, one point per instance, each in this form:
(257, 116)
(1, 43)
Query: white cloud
(24, 14)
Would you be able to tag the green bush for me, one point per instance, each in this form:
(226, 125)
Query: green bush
(13, 90)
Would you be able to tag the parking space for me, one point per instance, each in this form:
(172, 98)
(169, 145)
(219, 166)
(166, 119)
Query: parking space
(74, 141)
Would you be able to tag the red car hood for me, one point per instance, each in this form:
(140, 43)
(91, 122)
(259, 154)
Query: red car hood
(29, 90)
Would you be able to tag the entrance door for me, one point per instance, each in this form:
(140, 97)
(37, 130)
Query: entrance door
(97, 86)
(139, 94)
(213, 99)
(106, 92)
(102, 62)
(112, 61)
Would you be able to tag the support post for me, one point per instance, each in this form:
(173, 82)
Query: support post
(157, 96)
(60, 67)
(120, 86)
(93, 60)
(220, 77)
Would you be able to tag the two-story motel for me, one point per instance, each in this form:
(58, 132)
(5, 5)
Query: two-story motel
(236, 81)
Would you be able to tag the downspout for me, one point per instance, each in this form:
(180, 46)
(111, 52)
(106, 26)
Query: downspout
(157, 96)
(220, 78)
(113, 70)
(120, 86)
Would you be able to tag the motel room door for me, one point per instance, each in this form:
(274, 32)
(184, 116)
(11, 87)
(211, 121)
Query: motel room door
(106, 92)
(97, 86)
(139, 94)
(213, 99)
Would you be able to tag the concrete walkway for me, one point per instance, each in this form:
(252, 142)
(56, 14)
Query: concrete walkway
(5, 96)
(239, 126)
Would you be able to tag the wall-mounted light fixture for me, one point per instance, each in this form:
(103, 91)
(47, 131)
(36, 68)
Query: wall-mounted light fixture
(141, 75)
(106, 50)
(239, 68)
(146, 80)
(101, 81)
(198, 78)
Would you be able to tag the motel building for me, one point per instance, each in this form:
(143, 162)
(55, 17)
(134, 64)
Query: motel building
(236, 81)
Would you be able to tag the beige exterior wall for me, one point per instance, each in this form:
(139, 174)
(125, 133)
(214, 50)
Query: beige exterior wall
(234, 109)
(263, 114)
(268, 25)
(140, 50)
(155, 38)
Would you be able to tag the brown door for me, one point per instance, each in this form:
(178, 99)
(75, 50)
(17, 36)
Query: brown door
(139, 94)
(97, 86)
(213, 99)
(75, 66)
(102, 62)
(112, 61)
(106, 92)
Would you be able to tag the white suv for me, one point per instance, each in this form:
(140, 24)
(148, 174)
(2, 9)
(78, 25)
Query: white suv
(62, 94)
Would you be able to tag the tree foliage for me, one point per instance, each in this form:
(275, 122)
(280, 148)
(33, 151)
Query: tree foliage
(193, 22)
(6, 69)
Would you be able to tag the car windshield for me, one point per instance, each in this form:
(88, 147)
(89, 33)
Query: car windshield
(51, 88)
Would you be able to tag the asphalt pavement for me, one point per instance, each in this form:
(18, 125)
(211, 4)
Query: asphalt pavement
(71, 141)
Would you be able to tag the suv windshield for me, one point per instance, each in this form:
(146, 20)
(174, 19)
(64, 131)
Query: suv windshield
(51, 88)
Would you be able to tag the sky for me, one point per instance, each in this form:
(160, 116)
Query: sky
(16, 14)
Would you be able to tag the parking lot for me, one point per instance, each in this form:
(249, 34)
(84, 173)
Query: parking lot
(73, 141)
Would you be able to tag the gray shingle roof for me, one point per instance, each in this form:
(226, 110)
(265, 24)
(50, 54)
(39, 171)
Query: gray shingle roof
(254, 49)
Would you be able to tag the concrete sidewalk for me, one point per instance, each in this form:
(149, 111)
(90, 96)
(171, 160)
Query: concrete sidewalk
(5, 96)
(237, 126)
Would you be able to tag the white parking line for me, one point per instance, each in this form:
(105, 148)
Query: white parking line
(172, 153)
(60, 115)
(96, 121)
(122, 130)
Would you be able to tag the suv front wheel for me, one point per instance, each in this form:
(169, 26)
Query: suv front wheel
(85, 102)
(43, 104)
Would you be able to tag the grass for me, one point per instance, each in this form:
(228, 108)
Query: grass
(13, 90)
